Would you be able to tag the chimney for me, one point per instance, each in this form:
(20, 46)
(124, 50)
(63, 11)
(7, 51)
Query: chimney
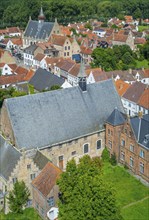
(82, 77)
(130, 71)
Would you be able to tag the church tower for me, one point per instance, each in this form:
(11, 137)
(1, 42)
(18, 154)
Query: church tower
(41, 16)
(82, 77)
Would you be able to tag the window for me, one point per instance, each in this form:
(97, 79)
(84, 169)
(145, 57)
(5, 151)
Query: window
(14, 180)
(131, 148)
(125, 131)
(2, 202)
(111, 132)
(73, 153)
(65, 47)
(122, 155)
(68, 47)
(108, 131)
(67, 53)
(37, 205)
(51, 201)
(129, 105)
(141, 167)
(142, 153)
(42, 211)
(32, 176)
(110, 144)
(85, 148)
(6, 68)
(60, 145)
(123, 142)
(28, 166)
(131, 162)
(98, 144)
(61, 158)
(64, 54)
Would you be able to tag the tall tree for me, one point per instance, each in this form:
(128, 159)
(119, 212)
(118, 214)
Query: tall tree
(18, 197)
(84, 193)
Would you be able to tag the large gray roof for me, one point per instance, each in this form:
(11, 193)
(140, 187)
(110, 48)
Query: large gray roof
(43, 79)
(140, 127)
(38, 30)
(8, 158)
(56, 116)
(116, 118)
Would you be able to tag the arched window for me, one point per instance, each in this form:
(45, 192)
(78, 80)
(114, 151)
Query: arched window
(98, 144)
(86, 148)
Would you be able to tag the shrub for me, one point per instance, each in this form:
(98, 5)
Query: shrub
(113, 160)
(105, 155)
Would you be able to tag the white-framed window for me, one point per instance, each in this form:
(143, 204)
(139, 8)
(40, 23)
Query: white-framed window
(98, 144)
(123, 142)
(65, 47)
(141, 167)
(29, 166)
(86, 148)
(122, 155)
(142, 154)
(32, 176)
(51, 201)
(131, 148)
(131, 162)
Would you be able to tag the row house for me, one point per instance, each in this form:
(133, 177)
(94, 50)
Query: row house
(11, 31)
(132, 97)
(66, 46)
(86, 54)
(128, 139)
(16, 165)
(45, 190)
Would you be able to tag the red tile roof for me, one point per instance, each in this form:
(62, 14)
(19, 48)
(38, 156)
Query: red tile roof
(139, 40)
(29, 75)
(58, 40)
(39, 56)
(146, 73)
(144, 99)
(21, 70)
(47, 178)
(12, 66)
(85, 50)
(134, 92)
(13, 30)
(11, 79)
(120, 37)
(121, 86)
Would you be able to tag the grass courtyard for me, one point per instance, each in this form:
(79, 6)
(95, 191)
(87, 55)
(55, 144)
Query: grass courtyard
(129, 192)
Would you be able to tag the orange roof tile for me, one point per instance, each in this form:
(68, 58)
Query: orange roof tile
(65, 30)
(12, 66)
(58, 39)
(13, 29)
(17, 41)
(47, 178)
(39, 56)
(144, 99)
(121, 86)
(139, 40)
(21, 70)
(120, 37)
(11, 79)
(29, 75)
(146, 73)
(85, 50)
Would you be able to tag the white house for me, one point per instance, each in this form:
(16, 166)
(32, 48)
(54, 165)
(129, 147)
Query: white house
(8, 69)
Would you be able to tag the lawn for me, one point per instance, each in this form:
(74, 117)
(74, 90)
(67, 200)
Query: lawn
(139, 211)
(128, 190)
(143, 63)
(142, 28)
(28, 214)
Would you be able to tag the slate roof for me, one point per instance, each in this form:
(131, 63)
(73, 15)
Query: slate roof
(30, 49)
(140, 127)
(47, 178)
(116, 118)
(45, 119)
(8, 158)
(40, 160)
(38, 30)
(43, 79)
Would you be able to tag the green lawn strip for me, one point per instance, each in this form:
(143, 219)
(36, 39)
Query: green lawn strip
(139, 211)
(128, 188)
(143, 63)
(28, 214)
(142, 28)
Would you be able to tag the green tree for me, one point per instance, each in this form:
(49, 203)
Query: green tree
(113, 159)
(85, 195)
(18, 197)
(105, 155)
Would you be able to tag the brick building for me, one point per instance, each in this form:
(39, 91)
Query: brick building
(128, 138)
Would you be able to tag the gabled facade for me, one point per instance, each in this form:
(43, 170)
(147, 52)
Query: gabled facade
(129, 140)
(39, 31)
